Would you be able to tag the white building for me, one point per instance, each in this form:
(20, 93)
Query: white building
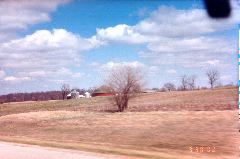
(75, 95)
(87, 95)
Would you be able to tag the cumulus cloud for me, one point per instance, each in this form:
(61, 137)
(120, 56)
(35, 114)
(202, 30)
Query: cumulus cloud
(199, 51)
(171, 71)
(122, 33)
(15, 79)
(45, 40)
(44, 53)
(174, 36)
(104, 68)
(111, 65)
(189, 60)
(59, 74)
(168, 22)
(148, 70)
(19, 15)
(170, 36)
(201, 44)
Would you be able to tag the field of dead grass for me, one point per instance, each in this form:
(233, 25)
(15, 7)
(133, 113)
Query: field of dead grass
(158, 125)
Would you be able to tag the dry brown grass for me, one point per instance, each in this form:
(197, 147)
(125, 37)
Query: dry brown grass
(141, 132)
(219, 99)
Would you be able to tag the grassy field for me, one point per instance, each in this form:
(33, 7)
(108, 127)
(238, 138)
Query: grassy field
(156, 125)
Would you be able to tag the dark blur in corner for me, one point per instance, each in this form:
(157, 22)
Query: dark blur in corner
(218, 8)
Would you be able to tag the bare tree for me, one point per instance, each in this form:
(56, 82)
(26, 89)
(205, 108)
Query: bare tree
(169, 86)
(91, 89)
(65, 88)
(125, 82)
(213, 76)
(191, 82)
(184, 82)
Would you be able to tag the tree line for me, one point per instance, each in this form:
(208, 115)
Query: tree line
(34, 96)
(124, 82)
(189, 82)
(39, 96)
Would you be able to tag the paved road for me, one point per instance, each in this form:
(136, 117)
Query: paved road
(21, 151)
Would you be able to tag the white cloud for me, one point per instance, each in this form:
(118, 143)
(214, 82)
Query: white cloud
(111, 65)
(44, 54)
(190, 52)
(31, 74)
(63, 72)
(177, 37)
(168, 22)
(45, 40)
(103, 69)
(122, 33)
(148, 71)
(189, 60)
(171, 36)
(171, 71)
(94, 64)
(213, 62)
(201, 44)
(16, 79)
(19, 15)
(78, 75)
(44, 49)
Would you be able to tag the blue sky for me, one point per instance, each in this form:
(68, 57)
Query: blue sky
(45, 44)
(83, 17)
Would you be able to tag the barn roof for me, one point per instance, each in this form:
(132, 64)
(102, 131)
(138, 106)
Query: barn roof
(103, 89)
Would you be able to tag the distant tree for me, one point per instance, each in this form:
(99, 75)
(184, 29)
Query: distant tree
(41, 97)
(155, 89)
(33, 96)
(9, 98)
(65, 88)
(169, 86)
(184, 82)
(213, 76)
(91, 89)
(81, 91)
(191, 81)
(162, 89)
(203, 88)
(125, 82)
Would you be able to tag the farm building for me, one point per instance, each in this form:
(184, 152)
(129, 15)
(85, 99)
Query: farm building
(102, 91)
(75, 95)
(87, 95)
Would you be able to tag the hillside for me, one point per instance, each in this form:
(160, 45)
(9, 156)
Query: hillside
(219, 99)
(157, 125)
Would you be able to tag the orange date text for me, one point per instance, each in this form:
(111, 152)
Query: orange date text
(202, 149)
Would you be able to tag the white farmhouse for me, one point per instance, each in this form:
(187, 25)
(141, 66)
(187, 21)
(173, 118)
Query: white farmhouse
(87, 95)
